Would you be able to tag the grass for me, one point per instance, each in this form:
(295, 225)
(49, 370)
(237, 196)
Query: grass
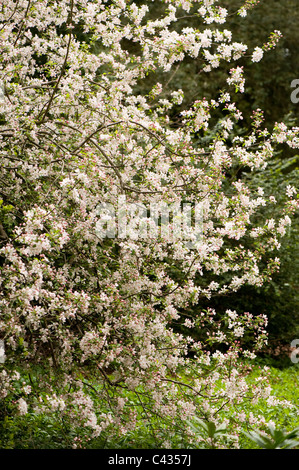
(284, 380)
(37, 431)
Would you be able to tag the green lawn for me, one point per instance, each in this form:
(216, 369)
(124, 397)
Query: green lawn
(40, 431)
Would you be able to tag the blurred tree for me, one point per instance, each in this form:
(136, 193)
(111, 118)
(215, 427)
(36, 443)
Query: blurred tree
(268, 83)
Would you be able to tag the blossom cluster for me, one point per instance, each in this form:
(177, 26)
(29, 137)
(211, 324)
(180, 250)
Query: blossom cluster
(74, 134)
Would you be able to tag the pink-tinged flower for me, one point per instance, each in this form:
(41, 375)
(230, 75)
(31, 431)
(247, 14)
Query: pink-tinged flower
(257, 54)
(22, 406)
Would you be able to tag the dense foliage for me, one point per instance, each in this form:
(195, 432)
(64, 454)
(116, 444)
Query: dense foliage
(269, 87)
(87, 317)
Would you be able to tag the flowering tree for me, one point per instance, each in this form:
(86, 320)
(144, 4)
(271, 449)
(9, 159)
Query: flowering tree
(98, 308)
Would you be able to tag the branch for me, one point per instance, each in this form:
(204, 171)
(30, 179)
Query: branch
(62, 68)
(3, 234)
(22, 23)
